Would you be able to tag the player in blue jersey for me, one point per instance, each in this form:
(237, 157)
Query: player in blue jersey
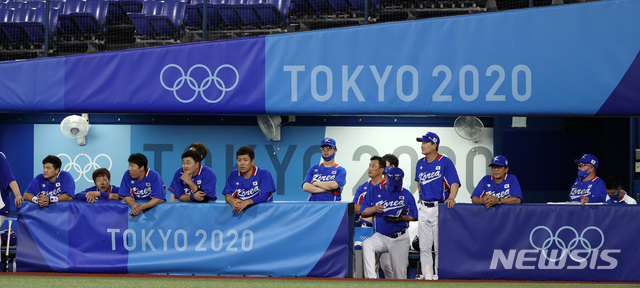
(499, 187)
(52, 185)
(438, 182)
(588, 188)
(392, 207)
(7, 182)
(103, 189)
(325, 181)
(248, 185)
(193, 182)
(375, 171)
(200, 148)
(615, 194)
(141, 183)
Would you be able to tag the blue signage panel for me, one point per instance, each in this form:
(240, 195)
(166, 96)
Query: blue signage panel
(222, 77)
(187, 238)
(488, 64)
(31, 86)
(539, 242)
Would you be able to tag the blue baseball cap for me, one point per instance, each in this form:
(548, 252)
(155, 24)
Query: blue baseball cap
(588, 159)
(328, 142)
(429, 137)
(499, 160)
(394, 176)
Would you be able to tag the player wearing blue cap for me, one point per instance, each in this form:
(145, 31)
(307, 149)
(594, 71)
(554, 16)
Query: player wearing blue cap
(588, 188)
(52, 185)
(248, 185)
(615, 194)
(7, 182)
(141, 183)
(438, 182)
(392, 207)
(499, 187)
(193, 182)
(102, 190)
(325, 181)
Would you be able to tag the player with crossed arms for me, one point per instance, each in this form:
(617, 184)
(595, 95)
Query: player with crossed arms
(392, 207)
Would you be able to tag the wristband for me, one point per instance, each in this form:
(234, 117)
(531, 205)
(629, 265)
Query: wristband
(191, 197)
(53, 199)
(34, 199)
(105, 195)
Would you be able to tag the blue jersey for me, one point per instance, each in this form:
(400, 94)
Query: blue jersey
(64, 184)
(259, 187)
(6, 177)
(205, 180)
(396, 203)
(361, 192)
(150, 187)
(324, 174)
(435, 178)
(83, 195)
(509, 187)
(595, 189)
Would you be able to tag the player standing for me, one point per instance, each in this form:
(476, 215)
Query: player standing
(248, 185)
(392, 207)
(588, 188)
(438, 182)
(7, 182)
(325, 181)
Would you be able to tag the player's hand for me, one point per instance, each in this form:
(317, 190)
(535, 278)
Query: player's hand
(584, 199)
(490, 201)
(43, 200)
(450, 203)
(186, 177)
(136, 209)
(92, 195)
(379, 209)
(19, 201)
(199, 195)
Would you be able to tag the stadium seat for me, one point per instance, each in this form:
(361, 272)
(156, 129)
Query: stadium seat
(34, 4)
(273, 13)
(36, 29)
(117, 12)
(169, 24)
(144, 30)
(16, 35)
(92, 21)
(16, 4)
(320, 7)
(339, 7)
(247, 14)
(229, 15)
(192, 16)
(214, 19)
(66, 23)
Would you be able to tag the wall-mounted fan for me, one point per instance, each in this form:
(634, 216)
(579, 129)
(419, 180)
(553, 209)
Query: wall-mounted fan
(469, 127)
(270, 126)
(77, 127)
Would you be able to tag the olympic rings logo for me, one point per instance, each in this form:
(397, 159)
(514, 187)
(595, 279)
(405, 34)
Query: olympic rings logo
(566, 248)
(90, 166)
(199, 88)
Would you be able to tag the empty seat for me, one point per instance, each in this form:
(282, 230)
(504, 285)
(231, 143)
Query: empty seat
(144, 29)
(228, 13)
(92, 21)
(214, 19)
(273, 13)
(170, 22)
(67, 24)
